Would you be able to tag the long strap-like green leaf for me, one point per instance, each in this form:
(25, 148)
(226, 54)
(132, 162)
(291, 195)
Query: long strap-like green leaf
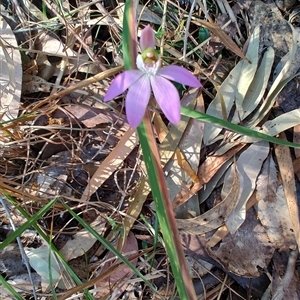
(234, 127)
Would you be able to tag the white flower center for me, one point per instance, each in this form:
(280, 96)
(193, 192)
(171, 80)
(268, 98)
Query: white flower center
(146, 69)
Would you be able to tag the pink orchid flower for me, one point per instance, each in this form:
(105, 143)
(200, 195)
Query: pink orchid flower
(150, 76)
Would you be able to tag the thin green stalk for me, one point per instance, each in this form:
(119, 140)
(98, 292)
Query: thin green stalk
(155, 172)
(164, 211)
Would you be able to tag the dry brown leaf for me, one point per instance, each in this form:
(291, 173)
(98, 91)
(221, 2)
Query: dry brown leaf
(51, 45)
(286, 170)
(111, 163)
(223, 231)
(215, 217)
(248, 167)
(274, 216)
(206, 171)
(183, 168)
(134, 209)
(212, 163)
(92, 116)
(296, 139)
(237, 189)
(83, 240)
(214, 182)
(198, 267)
(247, 251)
(116, 284)
(266, 185)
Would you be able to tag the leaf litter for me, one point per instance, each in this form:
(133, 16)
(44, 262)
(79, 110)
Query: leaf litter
(236, 199)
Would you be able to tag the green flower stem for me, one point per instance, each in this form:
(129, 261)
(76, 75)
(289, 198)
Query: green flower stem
(157, 182)
(164, 211)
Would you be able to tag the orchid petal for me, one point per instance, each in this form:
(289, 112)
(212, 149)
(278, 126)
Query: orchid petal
(167, 97)
(137, 100)
(179, 74)
(147, 39)
(121, 83)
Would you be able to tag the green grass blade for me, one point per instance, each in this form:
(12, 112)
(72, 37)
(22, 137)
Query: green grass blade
(47, 239)
(16, 295)
(109, 246)
(31, 220)
(234, 127)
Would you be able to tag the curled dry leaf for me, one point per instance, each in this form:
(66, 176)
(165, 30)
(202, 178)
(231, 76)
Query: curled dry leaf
(247, 75)
(276, 125)
(282, 123)
(215, 217)
(234, 88)
(258, 85)
(206, 171)
(248, 166)
(226, 96)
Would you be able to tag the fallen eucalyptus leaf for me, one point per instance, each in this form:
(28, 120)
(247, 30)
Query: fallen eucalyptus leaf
(248, 166)
(10, 73)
